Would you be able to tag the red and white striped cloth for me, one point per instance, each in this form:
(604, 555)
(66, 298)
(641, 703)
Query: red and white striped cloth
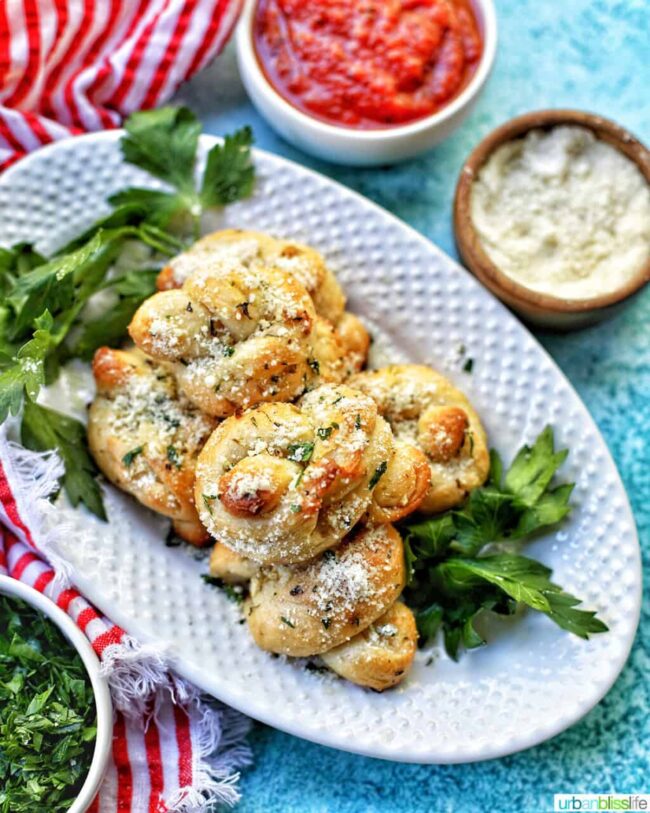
(68, 67)
(171, 750)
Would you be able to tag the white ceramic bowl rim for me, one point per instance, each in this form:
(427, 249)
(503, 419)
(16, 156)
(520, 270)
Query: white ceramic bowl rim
(104, 707)
(486, 14)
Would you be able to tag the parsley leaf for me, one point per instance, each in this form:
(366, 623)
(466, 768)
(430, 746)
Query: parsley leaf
(161, 208)
(533, 469)
(109, 328)
(16, 261)
(26, 375)
(44, 429)
(526, 581)
(163, 142)
(64, 282)
(229, 173)
(457, 570)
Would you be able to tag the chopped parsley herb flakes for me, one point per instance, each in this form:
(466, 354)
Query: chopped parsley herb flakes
(234, 592)
(379, 473)
(315, 365)
(174, 457)
(461, 563)
(300, 452)
(357, 422)
(294, 508)
(324, 432)
(326, 622)
(47, 714)
(208, 500)
(287, 622)
(227, 350)
(468, 366)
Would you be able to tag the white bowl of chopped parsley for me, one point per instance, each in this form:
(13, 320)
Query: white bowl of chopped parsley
(56, 716)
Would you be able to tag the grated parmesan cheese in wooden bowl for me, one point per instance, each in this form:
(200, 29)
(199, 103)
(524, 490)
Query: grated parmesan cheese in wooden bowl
(552, 213)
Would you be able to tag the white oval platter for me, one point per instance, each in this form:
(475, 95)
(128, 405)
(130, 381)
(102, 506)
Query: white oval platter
(533, 680)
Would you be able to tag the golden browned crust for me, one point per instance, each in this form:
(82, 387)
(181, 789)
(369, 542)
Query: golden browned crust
(281, 483)
(145, 437)
(380, 656)
(311, 608)
(235, 337)
(255, 249)
(229, 566)
(426, 410)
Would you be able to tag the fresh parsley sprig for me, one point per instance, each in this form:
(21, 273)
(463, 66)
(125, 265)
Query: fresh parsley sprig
(43, 302)
(461, 563)
(164, 143)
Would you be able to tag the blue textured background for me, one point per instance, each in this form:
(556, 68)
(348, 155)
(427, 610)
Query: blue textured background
(590, 54)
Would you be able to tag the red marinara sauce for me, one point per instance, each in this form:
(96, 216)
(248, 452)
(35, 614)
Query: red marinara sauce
(367, 63)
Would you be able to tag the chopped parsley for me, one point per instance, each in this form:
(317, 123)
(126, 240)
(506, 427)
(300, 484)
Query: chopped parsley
(234, 592)
(208, 500)
(315, 365)
(324, 432)
(47, 714)
(300, 452)
(295, 509)
(227, 350)
(357, 422)
(468, 366)
(379, 473)
(287, 622)
(174, 457)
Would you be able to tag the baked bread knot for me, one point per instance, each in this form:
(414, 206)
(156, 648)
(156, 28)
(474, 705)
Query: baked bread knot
(355, 340)
(426, 410)
(311, 608)
(231, 567)
(381, 655)
(256, 250)
(145, 436)
(237, 337)
(283, 482)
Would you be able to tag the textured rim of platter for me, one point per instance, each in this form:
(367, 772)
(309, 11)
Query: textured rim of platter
(533, 680)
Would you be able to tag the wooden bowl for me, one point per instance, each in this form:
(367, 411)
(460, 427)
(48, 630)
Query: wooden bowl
(538, 308)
